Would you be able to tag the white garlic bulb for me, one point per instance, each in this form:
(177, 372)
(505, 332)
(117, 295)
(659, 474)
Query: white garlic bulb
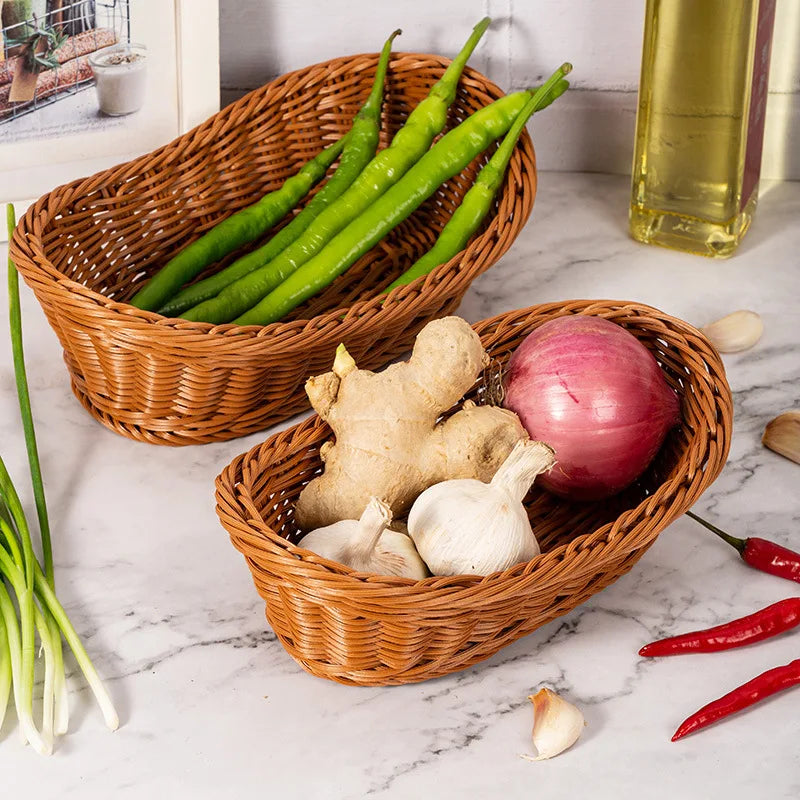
(367, 544)
(467, 527)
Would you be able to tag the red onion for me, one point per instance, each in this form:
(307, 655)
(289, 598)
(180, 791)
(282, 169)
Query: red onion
(597, 396)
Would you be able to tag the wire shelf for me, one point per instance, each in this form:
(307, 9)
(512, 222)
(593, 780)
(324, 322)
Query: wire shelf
(89, 25)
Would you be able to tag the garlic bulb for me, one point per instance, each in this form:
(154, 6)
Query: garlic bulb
(557, 724)
(467, 527)
(367, 544)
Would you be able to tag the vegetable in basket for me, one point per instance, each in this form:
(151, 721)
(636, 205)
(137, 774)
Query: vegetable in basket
(359, 149)
(451, 154)
(389, 165)
(37, 611)
(234, 231)
(477, 201)
(597, 396)
(468, 527)
(388, 441)
(368, 545)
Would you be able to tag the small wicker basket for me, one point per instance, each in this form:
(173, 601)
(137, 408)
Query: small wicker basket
(88, 246)
(375, 630)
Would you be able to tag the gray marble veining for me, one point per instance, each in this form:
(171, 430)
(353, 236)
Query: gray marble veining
(211, 705)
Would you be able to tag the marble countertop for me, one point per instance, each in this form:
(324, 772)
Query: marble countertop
(211, 705)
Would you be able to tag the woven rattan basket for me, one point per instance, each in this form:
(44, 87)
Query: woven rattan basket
(374, 630)
(88, 246)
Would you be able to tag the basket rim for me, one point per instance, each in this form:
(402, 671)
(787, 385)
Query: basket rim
(446, 588)
(447, 277)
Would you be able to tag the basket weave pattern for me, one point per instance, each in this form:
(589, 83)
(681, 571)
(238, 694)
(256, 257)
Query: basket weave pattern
(376, 630)
(88, 246)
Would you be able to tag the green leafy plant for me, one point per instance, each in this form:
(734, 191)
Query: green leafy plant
(38, 48)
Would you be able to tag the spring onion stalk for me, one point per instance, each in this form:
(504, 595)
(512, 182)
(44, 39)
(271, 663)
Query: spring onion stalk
(21, 572)
(22, 684)
(48, 597)
(23, 698)
(18, 354)
(48, 691)
(5, 671)
(10, 567)
(23, 393)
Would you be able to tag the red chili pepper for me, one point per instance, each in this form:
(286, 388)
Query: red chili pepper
(755, 690)
(760, 553)
(770, 621)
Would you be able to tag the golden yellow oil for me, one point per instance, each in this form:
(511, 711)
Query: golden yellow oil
(692, 125)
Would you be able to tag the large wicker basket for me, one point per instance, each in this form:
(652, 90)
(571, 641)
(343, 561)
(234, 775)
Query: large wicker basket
(373, 630)
(88, 246)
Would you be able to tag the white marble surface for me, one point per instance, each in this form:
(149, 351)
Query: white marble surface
(211, 705)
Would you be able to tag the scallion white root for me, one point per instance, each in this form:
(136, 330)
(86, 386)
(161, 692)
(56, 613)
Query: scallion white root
(49, 598)
(48, 691)
(61, 710)
(22, 683)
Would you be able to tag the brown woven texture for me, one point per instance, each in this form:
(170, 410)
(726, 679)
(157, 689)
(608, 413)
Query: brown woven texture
(88, 246)
(374, 630)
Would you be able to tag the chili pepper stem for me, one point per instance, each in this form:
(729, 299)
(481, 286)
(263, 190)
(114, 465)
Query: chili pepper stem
(733, 541)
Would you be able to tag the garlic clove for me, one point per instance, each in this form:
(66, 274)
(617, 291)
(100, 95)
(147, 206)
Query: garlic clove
(557, 724)
(782, 435)
(735, 332)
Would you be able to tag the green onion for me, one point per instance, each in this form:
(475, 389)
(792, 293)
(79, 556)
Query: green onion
(37, 610)
(23, 394)
(5, 671)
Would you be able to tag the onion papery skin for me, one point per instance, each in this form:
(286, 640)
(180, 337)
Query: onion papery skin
(597, 396)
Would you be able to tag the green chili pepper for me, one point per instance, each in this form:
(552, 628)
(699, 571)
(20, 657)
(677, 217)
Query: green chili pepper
(408, 145)
(476, 202)
(451, 154)
(359, 150)
(234, 231)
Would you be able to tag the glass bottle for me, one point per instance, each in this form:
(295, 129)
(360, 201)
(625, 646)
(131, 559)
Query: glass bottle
(700, 122)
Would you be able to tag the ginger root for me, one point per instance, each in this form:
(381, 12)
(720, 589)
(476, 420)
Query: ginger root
(387, 441)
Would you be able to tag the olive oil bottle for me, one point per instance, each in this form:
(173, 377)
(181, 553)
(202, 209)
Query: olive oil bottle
(700, 122)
